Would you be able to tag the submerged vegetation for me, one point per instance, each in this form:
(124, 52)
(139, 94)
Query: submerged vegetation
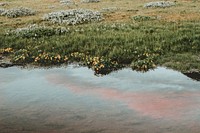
(142, 42)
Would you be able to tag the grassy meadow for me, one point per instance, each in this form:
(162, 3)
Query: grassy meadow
(129, 35)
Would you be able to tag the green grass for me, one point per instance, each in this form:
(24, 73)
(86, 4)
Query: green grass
(141, 45)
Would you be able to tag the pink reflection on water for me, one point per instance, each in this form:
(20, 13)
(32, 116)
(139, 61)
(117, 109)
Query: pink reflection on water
(158, 106)
(152, 104)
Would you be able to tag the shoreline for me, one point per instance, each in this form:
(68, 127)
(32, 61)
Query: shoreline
(6, 63)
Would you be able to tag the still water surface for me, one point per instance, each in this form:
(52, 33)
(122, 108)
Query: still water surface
(73, 100)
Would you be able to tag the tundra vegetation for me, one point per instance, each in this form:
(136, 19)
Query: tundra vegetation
(104, 35)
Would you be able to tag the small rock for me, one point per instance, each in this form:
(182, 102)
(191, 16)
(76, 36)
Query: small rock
(6, 65)
(1, 57)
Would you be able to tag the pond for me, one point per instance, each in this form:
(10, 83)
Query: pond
(73, 100)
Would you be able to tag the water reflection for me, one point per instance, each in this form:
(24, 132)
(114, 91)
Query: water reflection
(74, 100)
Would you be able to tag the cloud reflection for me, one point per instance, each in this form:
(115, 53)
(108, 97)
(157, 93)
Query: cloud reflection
(175, 105)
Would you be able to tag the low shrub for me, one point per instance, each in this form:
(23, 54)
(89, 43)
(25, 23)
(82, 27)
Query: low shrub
(90, 1)
(21, 56)
(35, 31)
(74, 16)
(143, 18)
(18, 12)
(101, 65)
(109, 9)
(49, 59)
(144, 62)
(67, 2)
(161, 4)
(2, 10)
(6, 51)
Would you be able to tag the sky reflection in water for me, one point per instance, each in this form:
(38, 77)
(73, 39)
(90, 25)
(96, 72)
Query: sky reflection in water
(73, 100)
(160, 94)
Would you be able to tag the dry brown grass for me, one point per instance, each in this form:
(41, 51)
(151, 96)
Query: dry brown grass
(185, 10)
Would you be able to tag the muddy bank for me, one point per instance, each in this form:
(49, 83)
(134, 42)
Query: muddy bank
(194, 75)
